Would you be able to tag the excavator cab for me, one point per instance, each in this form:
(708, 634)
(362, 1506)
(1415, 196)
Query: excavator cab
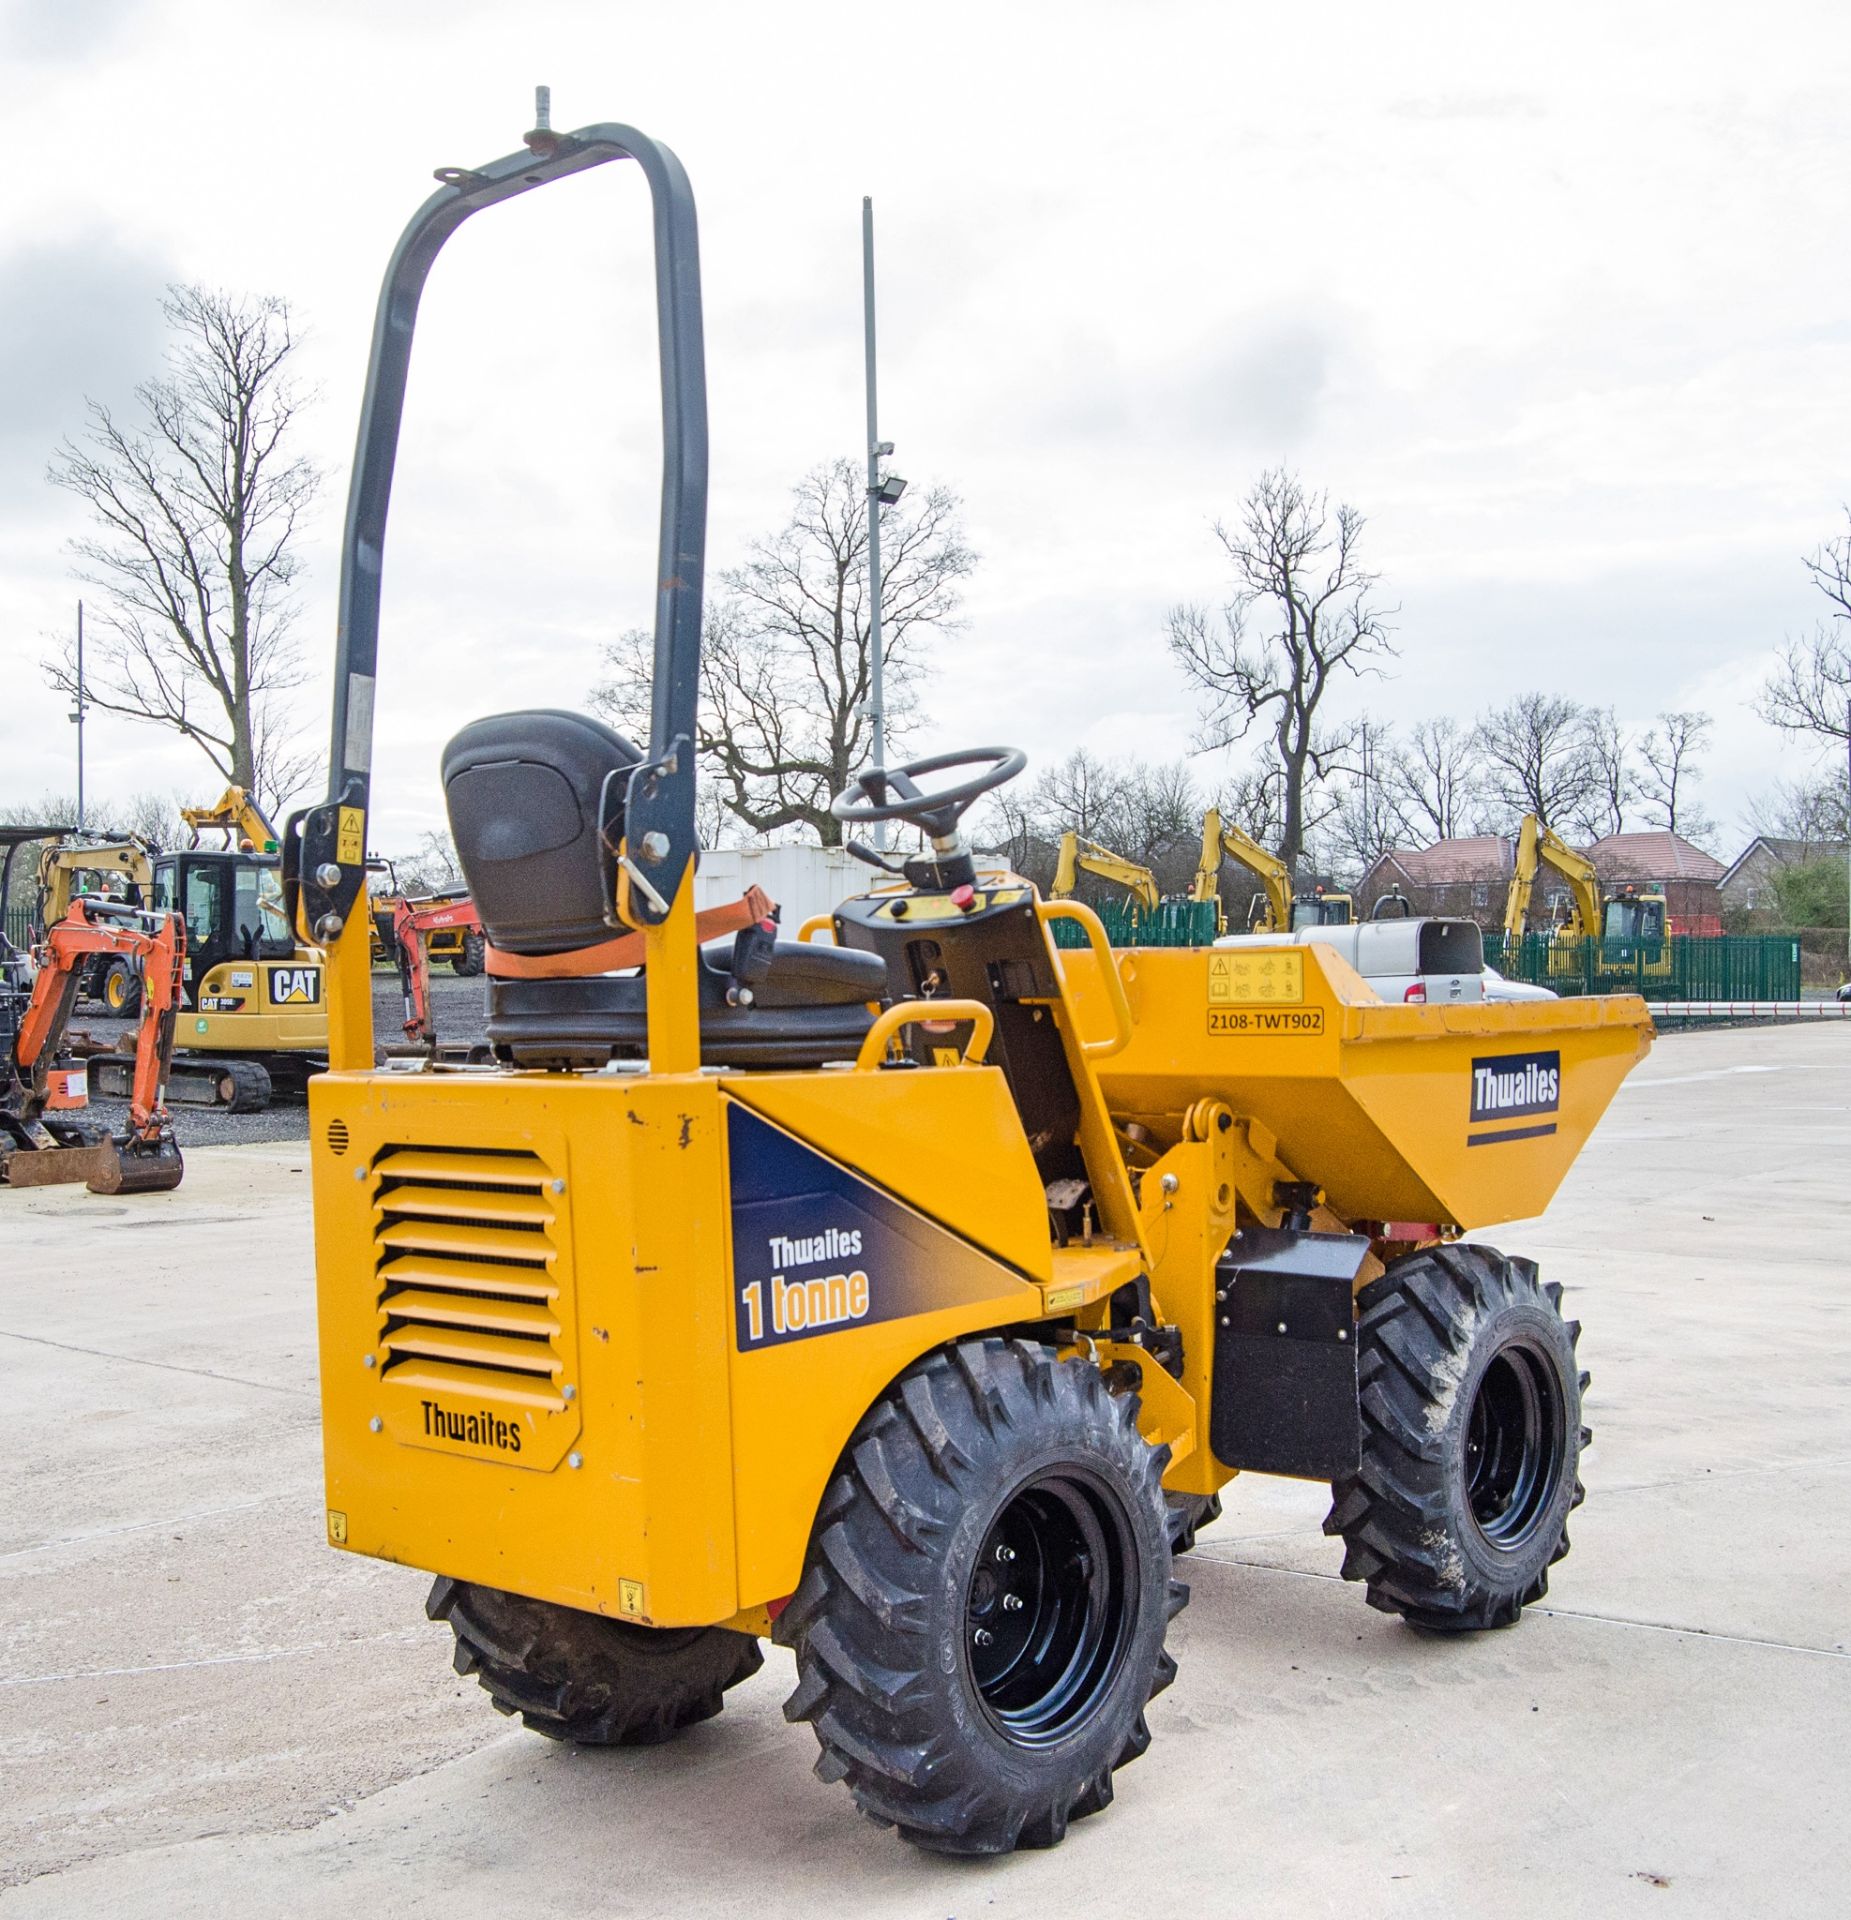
(1321, 909)
(232, 903)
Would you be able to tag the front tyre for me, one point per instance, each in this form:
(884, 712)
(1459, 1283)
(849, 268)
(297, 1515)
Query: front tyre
(586, 1678)
(1471, 1440)
(982, 1615)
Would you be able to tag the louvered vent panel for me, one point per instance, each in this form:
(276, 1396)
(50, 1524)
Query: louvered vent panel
(466, 1249)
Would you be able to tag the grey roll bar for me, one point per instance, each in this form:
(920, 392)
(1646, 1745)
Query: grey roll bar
(661, 792)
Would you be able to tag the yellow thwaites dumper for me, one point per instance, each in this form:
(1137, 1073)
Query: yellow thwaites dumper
(904, 1296)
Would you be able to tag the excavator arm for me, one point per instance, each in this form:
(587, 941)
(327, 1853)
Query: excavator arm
(238, 816)
(413, 922)
(1539, 846)
(1223, 842)
(126, 859)
(145, 1159)
(1088, 856)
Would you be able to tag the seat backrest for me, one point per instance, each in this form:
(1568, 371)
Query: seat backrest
(524, 792)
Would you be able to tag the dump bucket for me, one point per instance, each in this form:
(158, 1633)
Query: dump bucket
(1460, 1115)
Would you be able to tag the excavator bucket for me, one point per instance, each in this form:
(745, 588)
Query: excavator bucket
(140, 1166)
(60, 1166)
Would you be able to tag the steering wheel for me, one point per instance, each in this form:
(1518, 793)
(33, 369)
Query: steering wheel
(891, 793)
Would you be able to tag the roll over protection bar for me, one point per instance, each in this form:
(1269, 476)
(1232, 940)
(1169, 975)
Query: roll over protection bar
(323, 850)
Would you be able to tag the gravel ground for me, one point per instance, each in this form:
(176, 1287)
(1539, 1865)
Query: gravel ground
(459, 1008)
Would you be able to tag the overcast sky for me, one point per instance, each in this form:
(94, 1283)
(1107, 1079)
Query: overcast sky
(1557, 297)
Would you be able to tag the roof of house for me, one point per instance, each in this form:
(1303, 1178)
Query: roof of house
(1653, 856)
(1450, 863)
(1783, 852)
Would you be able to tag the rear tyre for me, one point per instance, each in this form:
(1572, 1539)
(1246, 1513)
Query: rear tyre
(121, 989)
(982, 1615)
(1189, 1513)
(585, 1678)
(1471, 1440)
(469, 962)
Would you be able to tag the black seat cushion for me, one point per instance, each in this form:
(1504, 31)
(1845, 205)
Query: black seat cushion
(810, 1007)
(536, 816)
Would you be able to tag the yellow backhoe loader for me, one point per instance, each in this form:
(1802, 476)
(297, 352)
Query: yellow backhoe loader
(1628, 927)
(1275, 910)
(904, 1292)
(120, 869)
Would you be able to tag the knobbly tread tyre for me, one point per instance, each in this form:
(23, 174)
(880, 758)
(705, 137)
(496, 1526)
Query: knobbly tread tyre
(584, 1677)
(121, 989)
(1429, 1328)
(468, 963)
(1189, 1514)
(877, 1623)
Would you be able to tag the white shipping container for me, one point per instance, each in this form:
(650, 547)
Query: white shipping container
(801, 881)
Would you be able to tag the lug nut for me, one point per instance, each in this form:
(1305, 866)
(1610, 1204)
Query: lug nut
(1012, 1603)
(1005, 1553)
(982, 1637)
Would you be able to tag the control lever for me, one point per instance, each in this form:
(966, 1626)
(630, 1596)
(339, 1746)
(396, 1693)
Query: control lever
(862, 851)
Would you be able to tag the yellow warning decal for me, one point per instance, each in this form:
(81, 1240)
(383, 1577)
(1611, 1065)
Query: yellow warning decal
(630, 1598)
(1266, 977)
(350, 841)
(337, 1528)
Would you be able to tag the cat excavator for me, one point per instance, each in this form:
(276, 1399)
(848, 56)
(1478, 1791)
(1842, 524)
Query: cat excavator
(1274, 908)
(254, 1017)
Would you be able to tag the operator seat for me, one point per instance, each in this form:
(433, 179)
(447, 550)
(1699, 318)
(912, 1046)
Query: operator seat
(536, 805)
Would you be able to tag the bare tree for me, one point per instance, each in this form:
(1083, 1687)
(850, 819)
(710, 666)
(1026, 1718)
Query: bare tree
(197, 505)
(1436, 779)
(784, 660)
(1809, 690)
(1612, 787)
(1302, 611)
(1813, 811)
(1670, 753)
(1535, 754)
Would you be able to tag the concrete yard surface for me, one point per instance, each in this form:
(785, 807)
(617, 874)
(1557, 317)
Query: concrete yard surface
(204, 1710)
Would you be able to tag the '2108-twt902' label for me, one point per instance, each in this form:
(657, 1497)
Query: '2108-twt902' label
(817, 1249)
(1509, 1091)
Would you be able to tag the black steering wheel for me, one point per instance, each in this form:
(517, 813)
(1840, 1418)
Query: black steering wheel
(890, 793)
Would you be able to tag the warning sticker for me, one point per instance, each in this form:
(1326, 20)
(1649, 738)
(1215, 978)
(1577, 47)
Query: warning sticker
(1271, 1022)
(350, 838)
(1267, 977)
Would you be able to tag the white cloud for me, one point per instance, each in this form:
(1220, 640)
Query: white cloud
(1557, 300)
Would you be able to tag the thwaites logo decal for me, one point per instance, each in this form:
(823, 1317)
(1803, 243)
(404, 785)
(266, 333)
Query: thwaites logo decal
(1509, 1091)
(295, 986)
(817, 1249)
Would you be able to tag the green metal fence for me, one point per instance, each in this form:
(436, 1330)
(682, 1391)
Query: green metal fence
(1176, 923)
(1682, 967)
(19, 925)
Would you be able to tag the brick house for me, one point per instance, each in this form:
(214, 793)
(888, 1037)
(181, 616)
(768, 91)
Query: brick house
(1464, 879)
(1691, 878)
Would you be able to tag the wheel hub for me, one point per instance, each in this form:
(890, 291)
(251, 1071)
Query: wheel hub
(1514, 1446)
(1050, 1607)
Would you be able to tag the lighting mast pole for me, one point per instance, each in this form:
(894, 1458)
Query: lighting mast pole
(877, 715)
(78, 716)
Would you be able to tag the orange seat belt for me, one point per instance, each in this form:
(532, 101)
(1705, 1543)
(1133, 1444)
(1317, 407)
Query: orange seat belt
(627, 949)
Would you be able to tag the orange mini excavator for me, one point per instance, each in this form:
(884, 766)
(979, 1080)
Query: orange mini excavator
(36, 1150)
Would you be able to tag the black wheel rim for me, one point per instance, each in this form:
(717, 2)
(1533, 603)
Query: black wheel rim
(1050, 1606)
(1514, 1445)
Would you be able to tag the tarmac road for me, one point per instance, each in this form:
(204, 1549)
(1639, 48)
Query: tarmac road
(204, 1710)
